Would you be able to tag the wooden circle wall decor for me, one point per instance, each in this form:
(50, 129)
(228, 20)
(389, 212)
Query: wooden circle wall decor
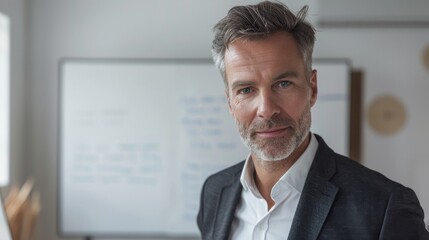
(426, 57)
(386, 115)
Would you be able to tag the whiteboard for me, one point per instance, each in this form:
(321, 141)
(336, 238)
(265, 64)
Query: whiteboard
(139, 137)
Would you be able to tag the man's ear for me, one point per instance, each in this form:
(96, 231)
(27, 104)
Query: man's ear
(313, 87)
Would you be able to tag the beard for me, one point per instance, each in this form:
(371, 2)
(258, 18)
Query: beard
(276, 148)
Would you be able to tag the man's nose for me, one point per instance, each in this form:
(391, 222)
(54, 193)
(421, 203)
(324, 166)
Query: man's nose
(268, 106)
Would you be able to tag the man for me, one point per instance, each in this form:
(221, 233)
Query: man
(292, 185)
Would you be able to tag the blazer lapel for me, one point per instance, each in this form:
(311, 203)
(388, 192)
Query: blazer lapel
(227, 203)
(317, 196)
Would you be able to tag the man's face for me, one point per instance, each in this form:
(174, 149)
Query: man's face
(269, 94)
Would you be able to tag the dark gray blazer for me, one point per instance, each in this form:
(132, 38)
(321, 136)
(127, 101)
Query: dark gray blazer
(341, 199)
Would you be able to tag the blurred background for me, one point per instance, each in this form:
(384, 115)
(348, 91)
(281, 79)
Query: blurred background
(386, 40)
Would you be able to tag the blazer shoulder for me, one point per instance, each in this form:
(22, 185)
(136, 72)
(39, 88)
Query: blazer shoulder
(366, 203)
(348, 174)
(353, 173)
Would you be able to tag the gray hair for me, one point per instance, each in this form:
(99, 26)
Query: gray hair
(259, 21)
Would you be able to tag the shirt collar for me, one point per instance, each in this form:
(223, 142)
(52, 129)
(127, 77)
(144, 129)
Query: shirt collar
(295, 176)
(246, 178)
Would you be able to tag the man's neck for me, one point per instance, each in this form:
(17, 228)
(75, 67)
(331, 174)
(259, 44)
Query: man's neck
(267, 173)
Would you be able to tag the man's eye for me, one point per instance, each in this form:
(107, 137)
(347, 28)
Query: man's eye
(245, 90)
(284, 84)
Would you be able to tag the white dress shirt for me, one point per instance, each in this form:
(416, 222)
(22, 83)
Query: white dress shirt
(252, 220)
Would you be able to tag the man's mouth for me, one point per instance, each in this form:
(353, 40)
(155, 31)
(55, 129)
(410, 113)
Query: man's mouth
(272, 132)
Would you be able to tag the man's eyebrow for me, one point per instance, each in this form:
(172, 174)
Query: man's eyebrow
(241, 83)
(287, 74)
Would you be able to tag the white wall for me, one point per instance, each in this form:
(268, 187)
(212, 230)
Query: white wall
(182, 29)
(370, 10)
(15, 10)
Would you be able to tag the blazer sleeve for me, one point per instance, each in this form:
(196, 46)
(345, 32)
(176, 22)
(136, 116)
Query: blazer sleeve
(403, 217)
